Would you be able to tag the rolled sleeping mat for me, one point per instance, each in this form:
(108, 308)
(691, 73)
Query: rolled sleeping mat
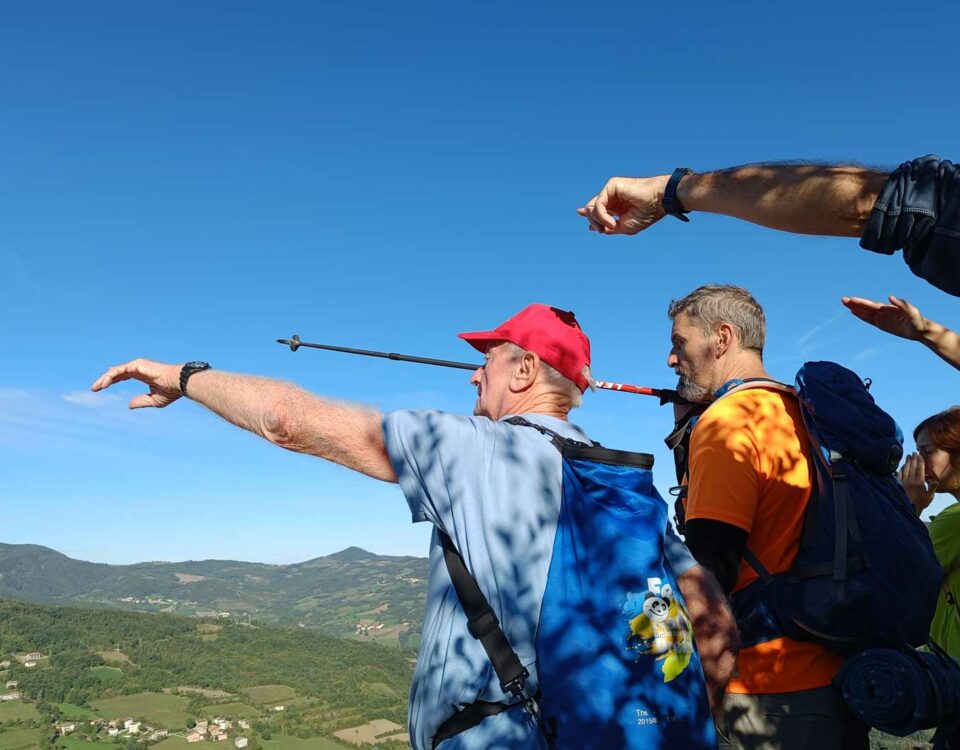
(900, 691)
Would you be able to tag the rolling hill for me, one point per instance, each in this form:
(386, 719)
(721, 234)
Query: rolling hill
(384, 595)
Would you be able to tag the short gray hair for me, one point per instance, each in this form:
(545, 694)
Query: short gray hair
(550, 374)
(712, 304)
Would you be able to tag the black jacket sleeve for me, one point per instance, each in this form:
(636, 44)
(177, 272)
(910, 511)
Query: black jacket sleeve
(718, 547)
(918, 211)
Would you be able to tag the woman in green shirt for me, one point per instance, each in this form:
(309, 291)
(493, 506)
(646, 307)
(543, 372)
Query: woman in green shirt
(935, 468)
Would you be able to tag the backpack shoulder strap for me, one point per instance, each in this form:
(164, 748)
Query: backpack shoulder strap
(735, 386)
(482, 622)
(483, 625)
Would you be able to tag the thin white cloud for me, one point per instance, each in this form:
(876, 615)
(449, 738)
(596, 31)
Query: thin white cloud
(41, 418)
(867, 353)
(806, 342)
(89, 398)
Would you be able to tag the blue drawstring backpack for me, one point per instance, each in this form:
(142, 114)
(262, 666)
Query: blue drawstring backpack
(865, 574)
(616, 660)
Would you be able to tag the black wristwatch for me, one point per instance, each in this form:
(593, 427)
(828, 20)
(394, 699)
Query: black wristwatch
(671, 205)
(189, 369)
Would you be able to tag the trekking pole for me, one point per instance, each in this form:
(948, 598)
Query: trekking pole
(666, 395)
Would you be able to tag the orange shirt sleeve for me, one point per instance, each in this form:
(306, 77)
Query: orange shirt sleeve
(724, 467)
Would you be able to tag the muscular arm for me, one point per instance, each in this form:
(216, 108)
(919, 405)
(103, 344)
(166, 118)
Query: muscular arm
(297, 420)
(806, 199)
(802, 198)
(280, 412)
(714, 629)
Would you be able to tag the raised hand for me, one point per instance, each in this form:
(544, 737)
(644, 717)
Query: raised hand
(626, 205)
(912, 477)
(899, 317)
(163, 380)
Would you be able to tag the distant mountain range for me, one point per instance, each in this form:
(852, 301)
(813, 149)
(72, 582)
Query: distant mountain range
(350, 593)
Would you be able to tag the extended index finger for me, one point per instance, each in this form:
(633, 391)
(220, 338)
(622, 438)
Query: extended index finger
(859, 303)
(116, 374)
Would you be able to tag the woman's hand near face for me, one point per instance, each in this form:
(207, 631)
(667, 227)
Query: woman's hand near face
(912, 477)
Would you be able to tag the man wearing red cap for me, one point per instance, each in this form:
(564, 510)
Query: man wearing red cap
(492, 486)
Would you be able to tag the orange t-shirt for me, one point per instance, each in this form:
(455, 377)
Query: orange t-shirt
(750, 467)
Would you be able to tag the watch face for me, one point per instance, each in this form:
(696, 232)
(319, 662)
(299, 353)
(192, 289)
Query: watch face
(197, 365)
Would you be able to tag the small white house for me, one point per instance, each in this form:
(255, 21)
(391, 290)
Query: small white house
(12, 684)
(243, 724)
(113, 731)
(67, 728)
(30, 664)
(241, 742)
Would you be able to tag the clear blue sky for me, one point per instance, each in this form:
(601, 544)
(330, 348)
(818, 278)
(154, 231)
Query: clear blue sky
(194, 180)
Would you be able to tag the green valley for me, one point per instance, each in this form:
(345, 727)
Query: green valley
(165, 685)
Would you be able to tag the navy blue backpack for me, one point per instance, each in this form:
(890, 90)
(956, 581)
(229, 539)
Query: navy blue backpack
(865, 574)
(616, 662)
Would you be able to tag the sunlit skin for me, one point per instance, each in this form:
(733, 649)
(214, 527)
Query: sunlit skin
(704, 360)
(511, 384)
(691, 357)
(928, 471)
(492, 381)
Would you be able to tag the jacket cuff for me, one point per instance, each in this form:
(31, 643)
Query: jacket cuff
(918, 211)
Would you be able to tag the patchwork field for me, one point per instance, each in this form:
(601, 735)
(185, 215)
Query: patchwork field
(295, 743)
(17, 711)
(114, 656)
(76, 713)
(107, 674)
(372, 733)
(174, 743)
(157, 708)
(20, 739)
(75, 743)
(270, 693)
(234, 710)
(205, 692)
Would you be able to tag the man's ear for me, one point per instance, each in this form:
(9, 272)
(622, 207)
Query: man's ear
(726, 336)
(525, 373)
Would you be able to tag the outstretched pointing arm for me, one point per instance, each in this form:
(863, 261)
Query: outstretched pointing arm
(280, 412)
(802, 198)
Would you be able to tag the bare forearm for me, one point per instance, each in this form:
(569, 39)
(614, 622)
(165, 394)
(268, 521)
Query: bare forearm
(943, 342)
(297, 420)
(714, 630)
(806, 199)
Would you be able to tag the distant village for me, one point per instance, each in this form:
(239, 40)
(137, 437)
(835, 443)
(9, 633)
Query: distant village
(218, 729)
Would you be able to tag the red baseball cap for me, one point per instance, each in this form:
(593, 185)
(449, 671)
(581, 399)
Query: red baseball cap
(553, 334)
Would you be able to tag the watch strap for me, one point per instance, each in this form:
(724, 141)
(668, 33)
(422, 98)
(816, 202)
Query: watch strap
(189, 369)
(671, 205)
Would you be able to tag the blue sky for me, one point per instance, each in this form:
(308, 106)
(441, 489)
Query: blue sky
(194, 180)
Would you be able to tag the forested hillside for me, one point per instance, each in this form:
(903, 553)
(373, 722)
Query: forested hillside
(93, 667)
(351, 593)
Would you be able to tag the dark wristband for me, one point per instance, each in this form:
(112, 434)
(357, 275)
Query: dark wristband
(671, 205)
(189, 369)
